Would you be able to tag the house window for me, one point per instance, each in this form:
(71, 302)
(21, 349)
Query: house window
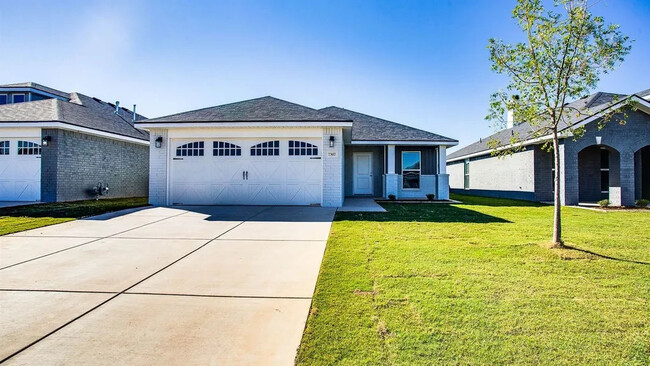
(4, 147)
(3, 99)
(220, 148)
(411, 169)
(302, 148)
(18, 98)
(28, 148)
(466, 174)
(604, 172)
(269, 148)
(190, 149)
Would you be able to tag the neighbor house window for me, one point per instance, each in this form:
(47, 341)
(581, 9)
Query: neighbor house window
(466, 174)
(28, 148)
(4, 99)
(4, 147)
(220, 148)
(269, 148)
(302, 148)
(18, 98)
(190, 149)
(604, 172)
(411, 169)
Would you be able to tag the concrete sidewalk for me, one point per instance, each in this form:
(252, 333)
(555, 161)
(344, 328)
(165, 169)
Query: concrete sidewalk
(225, 285)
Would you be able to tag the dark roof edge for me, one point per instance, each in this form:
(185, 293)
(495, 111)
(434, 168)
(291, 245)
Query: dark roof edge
(245, 121)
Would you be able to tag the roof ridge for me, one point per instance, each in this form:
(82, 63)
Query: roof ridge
(214, 106)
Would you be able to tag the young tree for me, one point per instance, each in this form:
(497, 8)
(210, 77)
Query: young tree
(561, 59)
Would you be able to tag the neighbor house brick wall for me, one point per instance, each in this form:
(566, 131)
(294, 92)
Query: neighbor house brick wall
(333, 168)
(83, 161)
(158, 161)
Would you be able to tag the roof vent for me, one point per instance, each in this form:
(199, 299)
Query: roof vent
(117, 106)
(510, 114)
(134, 113)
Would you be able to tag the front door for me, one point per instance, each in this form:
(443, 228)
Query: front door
(362, 173)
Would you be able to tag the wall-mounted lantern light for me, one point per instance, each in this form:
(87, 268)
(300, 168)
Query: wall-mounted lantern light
(158, 141)
(332, 141)
(46, 140)
(599, 139)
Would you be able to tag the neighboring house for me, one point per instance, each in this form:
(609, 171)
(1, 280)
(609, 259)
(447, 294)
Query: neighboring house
(267, 151)
(609, 163)
(57, 146)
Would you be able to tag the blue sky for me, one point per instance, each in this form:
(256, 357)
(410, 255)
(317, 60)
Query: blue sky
(422, 63)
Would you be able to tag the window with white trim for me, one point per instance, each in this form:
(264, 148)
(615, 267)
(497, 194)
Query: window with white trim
(411, 169)
(4, 147)
(18, 98)
(302, 148)
(269, 148)
(28, 148)
(604, 173)
(4, 99)
(220, 148)
(466, 174)
(190, 149)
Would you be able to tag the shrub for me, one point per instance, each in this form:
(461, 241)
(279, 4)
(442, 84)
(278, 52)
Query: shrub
(604, 203)
(391, 197)
(431, 196)
(642, 203)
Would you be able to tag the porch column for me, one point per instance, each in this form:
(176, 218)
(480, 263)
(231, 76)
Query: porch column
(442, 179)
(442, 160)
(391, 179)
(627, 178)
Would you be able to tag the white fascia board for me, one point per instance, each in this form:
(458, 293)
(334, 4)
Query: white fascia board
(31, 90)
(420, 143)
(69, 127)
(642, 105)
(146, 125)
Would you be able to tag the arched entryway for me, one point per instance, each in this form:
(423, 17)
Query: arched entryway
(642, 173)
(599, 174)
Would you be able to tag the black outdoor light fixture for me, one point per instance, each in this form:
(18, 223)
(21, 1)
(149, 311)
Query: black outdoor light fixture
(158, 141)
(46, 140)
(331, 140)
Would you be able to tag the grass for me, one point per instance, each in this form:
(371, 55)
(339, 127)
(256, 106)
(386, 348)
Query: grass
(19, 218)
(475, 284)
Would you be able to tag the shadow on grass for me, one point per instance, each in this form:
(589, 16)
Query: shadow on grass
(421, 213)
(494, 202)
(605, 256)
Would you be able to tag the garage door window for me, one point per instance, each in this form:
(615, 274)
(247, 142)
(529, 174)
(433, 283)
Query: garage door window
(302, 148)
(4, 147)
(269, 148)
(190, 149)
(220, 148)
(28, 148)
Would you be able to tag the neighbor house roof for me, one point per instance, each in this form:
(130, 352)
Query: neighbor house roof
(583, 108)
(369, 128)
(80, 110)
(36, 86)
(265, 109)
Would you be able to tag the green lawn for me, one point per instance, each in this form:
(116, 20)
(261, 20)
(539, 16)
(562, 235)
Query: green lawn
(473, 284)
(14, 219)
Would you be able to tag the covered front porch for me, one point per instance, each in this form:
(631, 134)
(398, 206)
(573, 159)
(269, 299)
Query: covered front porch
(405, 171)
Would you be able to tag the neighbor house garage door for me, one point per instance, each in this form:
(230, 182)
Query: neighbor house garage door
(20, 169)
(246, 172)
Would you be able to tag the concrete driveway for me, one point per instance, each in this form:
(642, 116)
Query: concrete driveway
(223, 285)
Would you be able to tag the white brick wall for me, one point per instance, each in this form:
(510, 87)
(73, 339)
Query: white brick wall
(158, 168)
(333, 194)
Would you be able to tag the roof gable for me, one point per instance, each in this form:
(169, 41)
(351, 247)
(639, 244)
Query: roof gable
(265, 109)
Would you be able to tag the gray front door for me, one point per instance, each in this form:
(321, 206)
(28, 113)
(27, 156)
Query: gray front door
(362, 172)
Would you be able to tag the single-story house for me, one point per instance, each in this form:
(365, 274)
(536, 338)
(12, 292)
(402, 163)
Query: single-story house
(612, 162)
(57, 146)
(268, 151)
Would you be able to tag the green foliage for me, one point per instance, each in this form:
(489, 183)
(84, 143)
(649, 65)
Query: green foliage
(604, 203)
(431, 196)
(642, 203)
(473, 284)
(392, 197)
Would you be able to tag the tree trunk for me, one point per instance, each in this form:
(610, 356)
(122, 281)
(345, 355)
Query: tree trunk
(557, 216)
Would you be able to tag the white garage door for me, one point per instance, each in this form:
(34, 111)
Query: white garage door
(246, 172)
(20, 169)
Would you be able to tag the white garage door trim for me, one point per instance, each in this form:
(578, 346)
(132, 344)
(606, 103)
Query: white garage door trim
(246, 179)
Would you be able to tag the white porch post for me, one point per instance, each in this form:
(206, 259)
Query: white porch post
(391, 180)
(442, 159)
(442, 181)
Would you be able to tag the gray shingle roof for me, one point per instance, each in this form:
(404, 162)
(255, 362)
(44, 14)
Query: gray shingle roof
(37, 86)
(80, 110)
(587, 107)
(369, 128)
(265, 109)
